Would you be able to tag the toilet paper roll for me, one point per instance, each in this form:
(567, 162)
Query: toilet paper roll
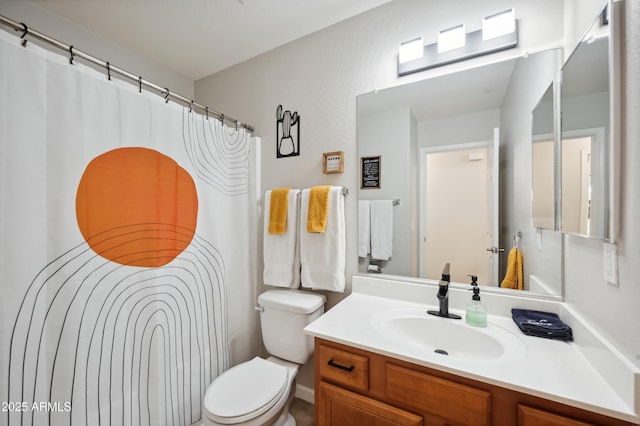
(374, 268)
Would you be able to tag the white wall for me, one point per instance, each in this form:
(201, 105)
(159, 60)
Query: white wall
(66, 32)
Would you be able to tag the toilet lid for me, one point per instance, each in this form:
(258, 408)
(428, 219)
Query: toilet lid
(246, 390)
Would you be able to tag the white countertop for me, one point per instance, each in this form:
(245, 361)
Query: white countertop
(549, 369)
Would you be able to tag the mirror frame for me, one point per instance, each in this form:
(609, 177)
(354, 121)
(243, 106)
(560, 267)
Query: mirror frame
(616, 38)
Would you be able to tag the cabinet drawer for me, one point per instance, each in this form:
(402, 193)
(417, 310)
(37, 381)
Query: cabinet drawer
(453, 402)
(345, 368)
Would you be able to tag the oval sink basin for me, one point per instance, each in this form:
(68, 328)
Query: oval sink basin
(413, 327)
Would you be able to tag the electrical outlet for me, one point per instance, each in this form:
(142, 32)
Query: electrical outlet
(610, 257)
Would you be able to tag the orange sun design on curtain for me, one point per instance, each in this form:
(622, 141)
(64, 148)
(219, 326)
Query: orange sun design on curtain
(137, 207)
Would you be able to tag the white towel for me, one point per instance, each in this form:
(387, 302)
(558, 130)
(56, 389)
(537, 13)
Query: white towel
(322, 255)
(281, 252)
(364, 228)
(381, 229)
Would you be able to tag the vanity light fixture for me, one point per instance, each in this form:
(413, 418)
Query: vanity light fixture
(451, 38)
(499, 32)
(498, 24)
(410, 50)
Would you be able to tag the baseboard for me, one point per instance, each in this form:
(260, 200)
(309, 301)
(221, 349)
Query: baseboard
(305, 393)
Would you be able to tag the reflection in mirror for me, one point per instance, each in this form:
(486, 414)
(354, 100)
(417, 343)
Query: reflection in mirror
(585, 136)
(460, 179)
(426, 134)
(543, 199)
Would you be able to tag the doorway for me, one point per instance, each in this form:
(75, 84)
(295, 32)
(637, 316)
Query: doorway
(458, 195)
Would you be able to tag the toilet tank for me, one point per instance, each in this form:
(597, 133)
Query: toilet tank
(284, 315)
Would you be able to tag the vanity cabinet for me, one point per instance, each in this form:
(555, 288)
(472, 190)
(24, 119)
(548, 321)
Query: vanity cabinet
(357, 387)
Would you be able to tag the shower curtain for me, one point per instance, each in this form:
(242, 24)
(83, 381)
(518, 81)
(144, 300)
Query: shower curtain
(124, 247)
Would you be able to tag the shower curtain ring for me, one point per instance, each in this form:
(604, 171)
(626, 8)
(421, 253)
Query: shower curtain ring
(222, 119)
(190, 106)
(140, 84)
(71, 55)
(236, 126)
(206, 112)
(166, 95)
(25, 31)
(108, 71)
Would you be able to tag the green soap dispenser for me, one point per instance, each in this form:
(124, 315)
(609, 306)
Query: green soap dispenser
(476, 314)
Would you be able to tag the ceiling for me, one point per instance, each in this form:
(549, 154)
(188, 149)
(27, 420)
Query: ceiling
(197, 38)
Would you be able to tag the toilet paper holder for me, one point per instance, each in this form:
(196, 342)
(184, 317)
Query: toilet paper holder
(375, 268)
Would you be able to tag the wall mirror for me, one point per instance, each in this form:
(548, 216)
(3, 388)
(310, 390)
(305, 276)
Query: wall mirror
(543, 163)
(456, 151)
(586, 135)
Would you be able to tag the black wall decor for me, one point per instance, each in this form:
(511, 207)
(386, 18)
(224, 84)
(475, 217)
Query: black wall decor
(287, 133)
(370, 168)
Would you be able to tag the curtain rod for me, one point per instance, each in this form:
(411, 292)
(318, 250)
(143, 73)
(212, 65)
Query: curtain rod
(165, 92)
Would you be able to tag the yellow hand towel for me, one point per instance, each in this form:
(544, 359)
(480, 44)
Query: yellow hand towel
(514, 278)
(318, 208)
(278, 207)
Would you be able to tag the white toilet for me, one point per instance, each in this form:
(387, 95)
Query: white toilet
(258, 392)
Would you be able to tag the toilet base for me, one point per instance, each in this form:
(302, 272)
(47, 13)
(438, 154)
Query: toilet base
(285, 418)
(290, 421)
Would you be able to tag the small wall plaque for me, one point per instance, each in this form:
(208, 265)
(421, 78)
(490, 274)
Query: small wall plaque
(333, 162)
(370, 172)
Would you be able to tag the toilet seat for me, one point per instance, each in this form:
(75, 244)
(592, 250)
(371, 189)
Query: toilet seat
(246, 391)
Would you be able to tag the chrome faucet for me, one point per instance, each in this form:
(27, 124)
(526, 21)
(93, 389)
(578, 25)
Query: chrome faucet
(443, 296)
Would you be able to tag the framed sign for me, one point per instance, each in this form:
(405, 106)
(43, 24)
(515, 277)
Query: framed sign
(370, 172)
(333, 162)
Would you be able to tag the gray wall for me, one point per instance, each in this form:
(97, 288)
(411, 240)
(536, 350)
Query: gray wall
(612, 310)
(389, 134)
(531, 78)
(476, 127)
(69, 33)
(320, 76)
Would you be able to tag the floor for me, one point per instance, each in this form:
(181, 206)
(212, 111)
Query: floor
(302, 411)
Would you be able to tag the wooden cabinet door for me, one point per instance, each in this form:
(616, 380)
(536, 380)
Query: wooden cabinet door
(528, 416)
(457, 404)
(340, 407)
